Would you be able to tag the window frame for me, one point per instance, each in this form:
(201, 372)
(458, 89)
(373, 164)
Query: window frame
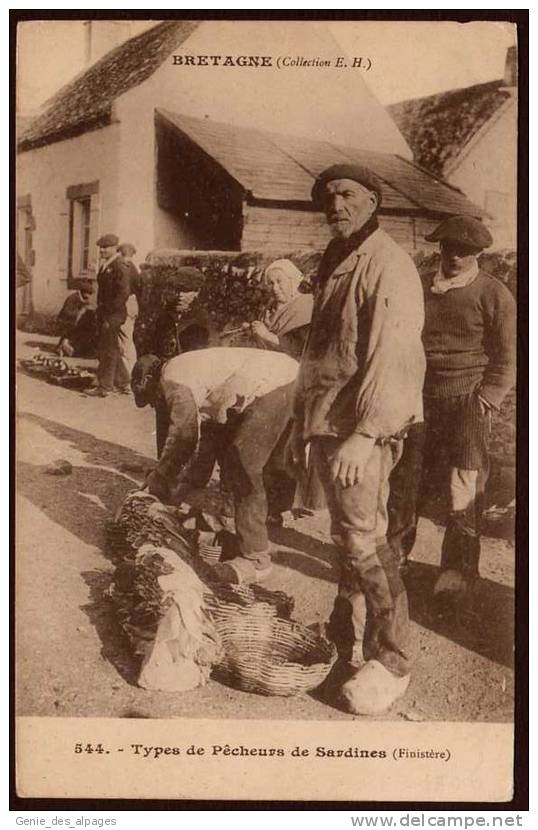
(80, 214)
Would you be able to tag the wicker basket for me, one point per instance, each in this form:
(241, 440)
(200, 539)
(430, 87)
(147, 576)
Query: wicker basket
(268, 655)
(223, 601)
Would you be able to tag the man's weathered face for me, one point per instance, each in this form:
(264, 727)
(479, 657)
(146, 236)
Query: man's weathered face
(456, 257)
(348, 206)
(106, 252)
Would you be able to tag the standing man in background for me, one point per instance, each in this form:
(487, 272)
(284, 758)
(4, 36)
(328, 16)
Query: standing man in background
(358, 390)
(113, 289)
(470, 343)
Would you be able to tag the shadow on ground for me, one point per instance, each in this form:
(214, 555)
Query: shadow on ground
(97, 451)
(101, 614)
(83, 501)
(43, 345)
(309, 556)
(487, 629)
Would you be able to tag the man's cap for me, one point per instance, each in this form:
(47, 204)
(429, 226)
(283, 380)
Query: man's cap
(127, 249)
(187, 277)
(85, 285)
(109, 240)
(355, 172)
(463, 229)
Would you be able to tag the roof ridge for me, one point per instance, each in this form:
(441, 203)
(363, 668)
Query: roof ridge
(497, 82)
(87, 69)
(86, 100)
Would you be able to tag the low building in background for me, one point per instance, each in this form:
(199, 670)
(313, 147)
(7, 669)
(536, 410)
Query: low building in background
(469, 137)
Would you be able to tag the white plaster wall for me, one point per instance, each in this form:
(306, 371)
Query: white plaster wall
(136, 172)
(319, 103)
(491, 164)
(45, 174)
(140, 219)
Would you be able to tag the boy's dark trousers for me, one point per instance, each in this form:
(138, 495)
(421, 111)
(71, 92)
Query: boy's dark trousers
(404, 494)
(454, 439)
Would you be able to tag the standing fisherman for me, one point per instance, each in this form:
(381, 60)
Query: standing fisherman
(113, 289)
(359, 388)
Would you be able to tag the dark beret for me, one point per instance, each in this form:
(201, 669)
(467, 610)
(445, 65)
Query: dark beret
(187, 277)
(85, 285)
(108, 240)
(463, 229)
(355, 172)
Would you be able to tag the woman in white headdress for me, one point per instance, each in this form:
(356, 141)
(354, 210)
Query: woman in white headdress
(285, 325)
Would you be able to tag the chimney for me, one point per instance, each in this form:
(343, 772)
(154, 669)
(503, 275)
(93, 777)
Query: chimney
(101, 36)
(510, 67)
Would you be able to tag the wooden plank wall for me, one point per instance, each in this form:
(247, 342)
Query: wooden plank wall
(282, 229)
(425, 226)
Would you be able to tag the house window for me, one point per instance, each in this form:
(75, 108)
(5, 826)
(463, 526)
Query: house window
(25, 227)
(79, 237)
(81, 222)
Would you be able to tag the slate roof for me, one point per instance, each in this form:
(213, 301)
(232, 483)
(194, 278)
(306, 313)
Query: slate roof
(22, 123)
(275, 167)
(438, 127)
(86, 102)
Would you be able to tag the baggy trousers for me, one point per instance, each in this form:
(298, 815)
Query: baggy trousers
(253, 470)
(250, 452)
(370, 616)
(127, 347)
(455, 432)
(459, 425)
(111, 370)
(404, 494)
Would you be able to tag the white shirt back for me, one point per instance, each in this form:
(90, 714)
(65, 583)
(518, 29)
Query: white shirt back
(223, 374)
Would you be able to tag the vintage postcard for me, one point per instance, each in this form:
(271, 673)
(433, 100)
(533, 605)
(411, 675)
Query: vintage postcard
(266, 280)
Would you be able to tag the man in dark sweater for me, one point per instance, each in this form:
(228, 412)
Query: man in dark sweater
(470, 342)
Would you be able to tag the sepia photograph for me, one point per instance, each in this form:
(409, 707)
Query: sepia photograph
(265, 311)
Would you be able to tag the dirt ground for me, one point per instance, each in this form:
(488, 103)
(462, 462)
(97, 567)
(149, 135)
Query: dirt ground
(71, 658)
